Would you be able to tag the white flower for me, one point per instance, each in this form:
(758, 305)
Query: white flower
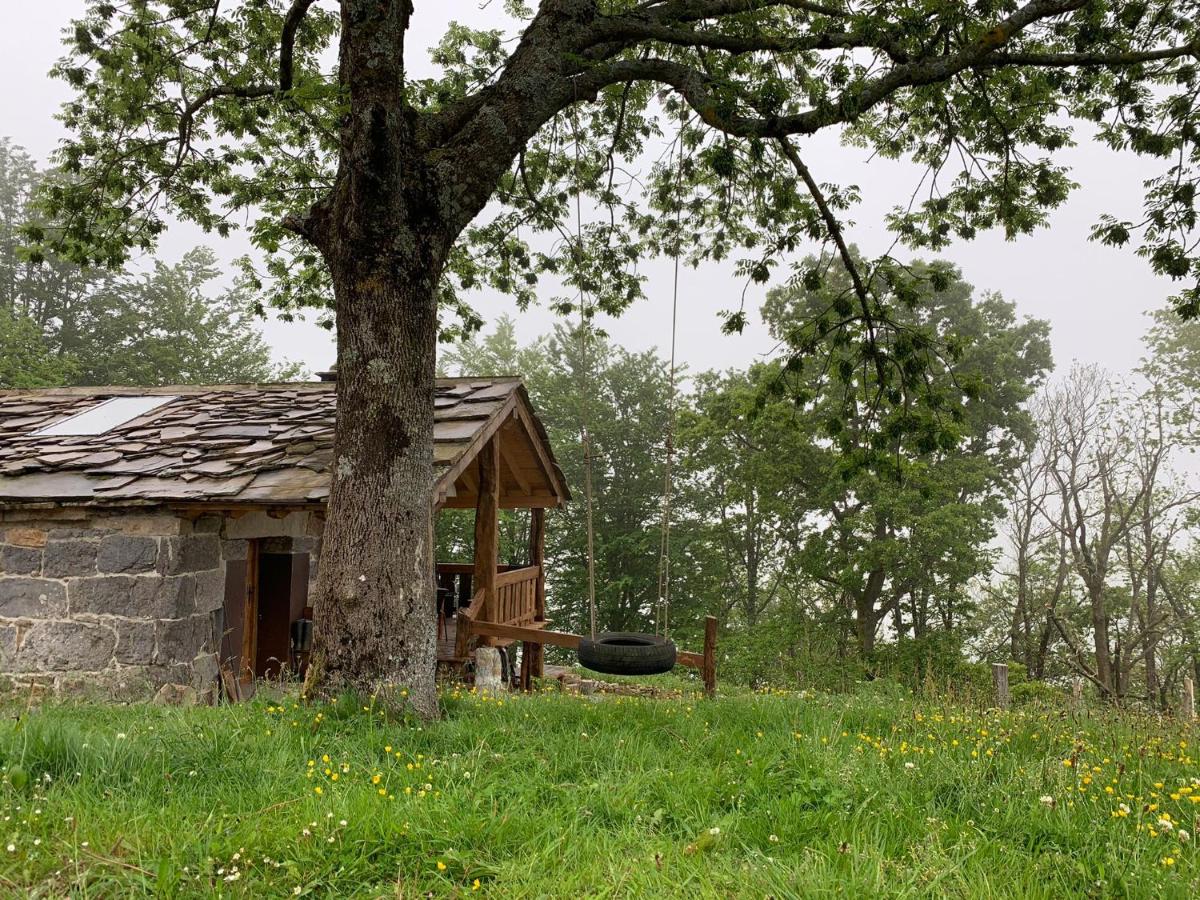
(1183, 836)
(1047, 800)
(1165, 823)
(909, 765)
(297, 890)
(714, 831)
(120, 735)
(773, 838)
(12, 848)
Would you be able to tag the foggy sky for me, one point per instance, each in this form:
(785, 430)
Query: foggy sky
(1094, 297)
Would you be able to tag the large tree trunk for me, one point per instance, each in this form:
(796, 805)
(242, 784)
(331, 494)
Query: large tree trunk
(383, 235)
(374, 608)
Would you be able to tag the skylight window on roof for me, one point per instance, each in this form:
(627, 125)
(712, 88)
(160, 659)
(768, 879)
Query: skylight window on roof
(105, 416)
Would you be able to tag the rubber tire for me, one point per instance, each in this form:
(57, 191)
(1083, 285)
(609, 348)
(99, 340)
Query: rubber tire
(627, 653)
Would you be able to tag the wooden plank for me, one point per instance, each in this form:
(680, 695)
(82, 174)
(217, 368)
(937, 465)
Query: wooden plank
(487, 526)
(690, 659)
(527, 633)
(516, 576)
(250, 616)
(507, 501)
(466, 615)
(229, 682)
(454, 568)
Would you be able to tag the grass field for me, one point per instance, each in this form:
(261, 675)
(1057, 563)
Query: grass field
(557, 795)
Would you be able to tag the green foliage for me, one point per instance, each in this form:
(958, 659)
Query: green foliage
(1038, 693)
(25, 360)
(65, 324)
(183, 106)
(908, 494)
(170, 327)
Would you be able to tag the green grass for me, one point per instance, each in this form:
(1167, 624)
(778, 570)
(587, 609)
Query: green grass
(555, 795)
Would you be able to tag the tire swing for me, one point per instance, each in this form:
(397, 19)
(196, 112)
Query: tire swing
(627, 652)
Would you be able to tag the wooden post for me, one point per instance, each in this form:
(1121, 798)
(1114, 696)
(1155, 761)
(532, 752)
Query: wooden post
(1077, 695)
(1189, 699)
(250, 622)
(487, 529)
(710, 656)
(1000, 681)
(537, 557)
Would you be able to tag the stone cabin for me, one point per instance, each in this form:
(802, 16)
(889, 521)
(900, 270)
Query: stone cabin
(153, 537)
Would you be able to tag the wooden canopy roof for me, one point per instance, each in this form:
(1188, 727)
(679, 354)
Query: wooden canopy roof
(261, 445)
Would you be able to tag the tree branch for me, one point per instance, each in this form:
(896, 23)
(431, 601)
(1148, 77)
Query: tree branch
(696, 88)
(287, 40)
(835, 233)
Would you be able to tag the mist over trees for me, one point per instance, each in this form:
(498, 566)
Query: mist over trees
(65, 324)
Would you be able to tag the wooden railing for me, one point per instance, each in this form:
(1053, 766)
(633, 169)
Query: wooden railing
(515, 602)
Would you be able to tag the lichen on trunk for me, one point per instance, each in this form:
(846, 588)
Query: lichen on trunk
(374, 603)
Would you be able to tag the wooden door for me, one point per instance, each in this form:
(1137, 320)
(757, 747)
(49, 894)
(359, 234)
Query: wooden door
(274, 614)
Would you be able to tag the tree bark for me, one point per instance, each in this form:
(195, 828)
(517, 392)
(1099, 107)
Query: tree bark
(384, 238)
(378, 541)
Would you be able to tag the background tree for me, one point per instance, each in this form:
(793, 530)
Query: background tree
(374, 183)
(67, 324)
(907, 519)
(25, 361)
(747, 468)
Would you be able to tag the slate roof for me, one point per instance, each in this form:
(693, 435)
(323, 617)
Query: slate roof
(229, 444)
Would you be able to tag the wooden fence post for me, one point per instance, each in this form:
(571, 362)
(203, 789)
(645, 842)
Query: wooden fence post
(1189, 699)
(710, 656)
(1000, 682)
(1077, 694)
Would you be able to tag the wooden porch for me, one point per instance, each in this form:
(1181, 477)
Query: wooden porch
(509, 464)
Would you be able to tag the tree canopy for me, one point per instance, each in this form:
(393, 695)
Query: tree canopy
(666, 118)
(70, 324)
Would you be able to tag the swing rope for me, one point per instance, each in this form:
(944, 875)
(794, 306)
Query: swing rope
(585, 400)
(662, 618)
(664, 549)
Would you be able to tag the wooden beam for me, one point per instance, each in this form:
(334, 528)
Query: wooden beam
(250, 616)
(526, 633)
(465, 500)
(689, 659)
(537, 557)
(487, 526)
(512, 576)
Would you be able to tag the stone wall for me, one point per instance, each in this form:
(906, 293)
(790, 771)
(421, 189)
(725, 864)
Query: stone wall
(110, 603)
(119, 603)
